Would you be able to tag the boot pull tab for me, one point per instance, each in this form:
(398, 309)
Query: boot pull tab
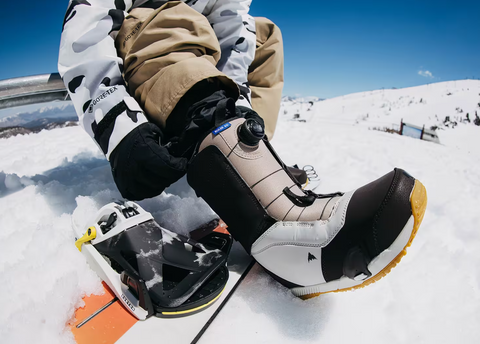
(309, 198)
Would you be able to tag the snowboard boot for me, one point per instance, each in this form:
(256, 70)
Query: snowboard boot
(311, 243)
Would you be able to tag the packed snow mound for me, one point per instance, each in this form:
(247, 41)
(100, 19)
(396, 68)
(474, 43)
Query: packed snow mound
(433, 296)
(28, 155)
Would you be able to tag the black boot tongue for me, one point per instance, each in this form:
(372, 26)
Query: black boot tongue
(250, 132)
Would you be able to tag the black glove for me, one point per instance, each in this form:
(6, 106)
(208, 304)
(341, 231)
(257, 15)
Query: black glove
(141, 167)
(247, 113)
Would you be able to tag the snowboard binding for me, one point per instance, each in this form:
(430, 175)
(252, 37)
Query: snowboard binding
(151, 270)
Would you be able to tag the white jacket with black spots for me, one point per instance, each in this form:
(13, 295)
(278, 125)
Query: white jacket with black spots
(92, 71)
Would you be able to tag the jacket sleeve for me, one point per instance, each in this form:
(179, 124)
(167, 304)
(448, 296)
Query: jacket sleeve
(92, 71)
(235, 30)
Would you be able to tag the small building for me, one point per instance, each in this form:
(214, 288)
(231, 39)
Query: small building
(419, 132)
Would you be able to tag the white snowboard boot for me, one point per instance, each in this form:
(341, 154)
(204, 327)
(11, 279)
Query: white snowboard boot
(311, 243)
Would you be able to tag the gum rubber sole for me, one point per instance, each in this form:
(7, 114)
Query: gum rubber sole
(418, 201)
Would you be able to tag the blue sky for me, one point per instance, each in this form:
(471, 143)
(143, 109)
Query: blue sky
(331, 47)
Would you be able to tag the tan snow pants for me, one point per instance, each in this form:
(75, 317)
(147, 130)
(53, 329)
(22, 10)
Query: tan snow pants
(168, 50)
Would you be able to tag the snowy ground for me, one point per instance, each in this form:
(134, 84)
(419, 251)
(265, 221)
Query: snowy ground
(433, 296)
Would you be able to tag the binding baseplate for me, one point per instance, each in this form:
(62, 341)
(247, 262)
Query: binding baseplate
(152, 270)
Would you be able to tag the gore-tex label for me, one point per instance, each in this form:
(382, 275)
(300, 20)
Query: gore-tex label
(221, 128)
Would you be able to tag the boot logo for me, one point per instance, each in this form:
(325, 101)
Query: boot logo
(311, 257)
(221, 128)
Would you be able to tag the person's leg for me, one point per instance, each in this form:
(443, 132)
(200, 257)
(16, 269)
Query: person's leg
(266, 81)
(266, 73)
(166, 52)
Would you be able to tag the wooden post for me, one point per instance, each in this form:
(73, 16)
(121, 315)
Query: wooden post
(423, 130)
(401, 127)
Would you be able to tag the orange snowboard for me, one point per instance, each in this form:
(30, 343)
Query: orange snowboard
(103, 319)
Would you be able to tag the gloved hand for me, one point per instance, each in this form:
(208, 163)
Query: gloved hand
(141, 167)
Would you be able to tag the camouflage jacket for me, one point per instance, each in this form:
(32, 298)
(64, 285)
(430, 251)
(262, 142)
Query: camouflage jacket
(92, 71)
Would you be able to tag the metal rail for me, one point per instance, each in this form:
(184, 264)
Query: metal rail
(32, 90)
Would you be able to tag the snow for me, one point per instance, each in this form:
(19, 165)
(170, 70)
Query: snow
(155, 279)
(28, 155)
(432, 296)
(24, 114)
(43, 279)
(423, 105)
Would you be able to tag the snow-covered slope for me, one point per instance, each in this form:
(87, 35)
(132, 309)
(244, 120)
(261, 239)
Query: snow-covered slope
(427, 105)
(53, 110)
(433, 296)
